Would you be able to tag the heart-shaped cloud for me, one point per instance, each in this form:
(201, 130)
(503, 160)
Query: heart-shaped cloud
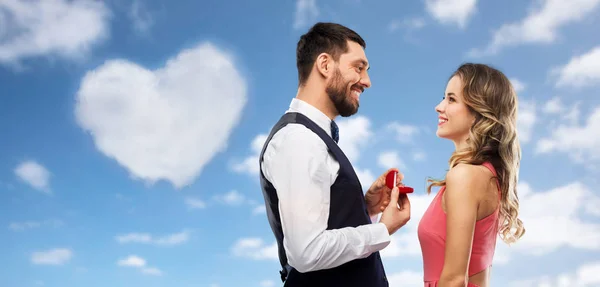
(165, 124)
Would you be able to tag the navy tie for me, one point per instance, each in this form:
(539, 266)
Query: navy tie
(335, 132)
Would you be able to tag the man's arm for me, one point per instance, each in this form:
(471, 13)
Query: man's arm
(296, 163)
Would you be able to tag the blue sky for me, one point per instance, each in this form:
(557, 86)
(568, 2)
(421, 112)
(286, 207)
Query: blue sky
(130, 132)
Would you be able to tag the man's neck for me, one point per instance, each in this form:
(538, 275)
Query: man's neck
(317, 98)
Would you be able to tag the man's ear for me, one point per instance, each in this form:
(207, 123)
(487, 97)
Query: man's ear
(324, 64)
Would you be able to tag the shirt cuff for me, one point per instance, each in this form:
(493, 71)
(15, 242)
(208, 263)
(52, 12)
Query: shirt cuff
(380, 237)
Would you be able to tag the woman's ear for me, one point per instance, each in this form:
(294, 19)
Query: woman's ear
(476, 117)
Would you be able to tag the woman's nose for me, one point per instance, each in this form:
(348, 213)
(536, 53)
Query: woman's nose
(439, 107)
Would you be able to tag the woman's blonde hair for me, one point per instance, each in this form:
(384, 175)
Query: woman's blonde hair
(490, 96)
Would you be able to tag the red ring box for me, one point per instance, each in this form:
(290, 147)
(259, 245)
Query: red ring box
(390, 181)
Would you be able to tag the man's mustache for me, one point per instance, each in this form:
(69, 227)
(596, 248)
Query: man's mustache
(358, 87)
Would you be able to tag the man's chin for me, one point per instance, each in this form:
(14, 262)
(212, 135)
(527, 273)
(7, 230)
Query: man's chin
(348, 113)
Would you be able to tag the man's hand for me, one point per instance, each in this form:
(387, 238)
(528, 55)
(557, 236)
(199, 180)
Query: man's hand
(397, 213)
(378, 195)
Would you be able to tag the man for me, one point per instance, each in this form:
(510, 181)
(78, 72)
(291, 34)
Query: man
(314, 200)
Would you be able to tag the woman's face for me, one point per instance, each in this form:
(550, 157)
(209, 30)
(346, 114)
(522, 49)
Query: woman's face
(454, 118)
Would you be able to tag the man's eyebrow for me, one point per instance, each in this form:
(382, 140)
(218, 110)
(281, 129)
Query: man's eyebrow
(364, 62)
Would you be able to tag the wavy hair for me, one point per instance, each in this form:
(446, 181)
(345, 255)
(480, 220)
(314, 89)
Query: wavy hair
(490, 96)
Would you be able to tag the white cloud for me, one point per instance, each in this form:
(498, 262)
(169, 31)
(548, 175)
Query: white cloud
(57, 256)
(355, 134)
(132, 261)
(34, 174)
(526, 120)
(581, 71)
(164, 124)
(250, 164)
(255, 248)
(409, 23)
(587, 275)
(404, 133)
(517, 85)
(152, 271)
(139, 263)
(406, 278)
(306, 13)
(540, 26)
(579, 142)
(22, 226)
(553, 106)
(63, 28)
(146, 238)
(405, 242)
(389, 159)
(558, 113)
(419, 156)
(572, 114)
(260, 209)
(232, 198)
(502, 254)
(551, 225)
(267, 283)
(140, 17)
(455, 12)
(194, 203)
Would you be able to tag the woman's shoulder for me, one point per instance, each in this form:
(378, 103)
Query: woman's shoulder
(468, 177)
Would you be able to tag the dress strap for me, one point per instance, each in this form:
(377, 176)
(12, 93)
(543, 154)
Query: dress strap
(490, 167)
(493, 170)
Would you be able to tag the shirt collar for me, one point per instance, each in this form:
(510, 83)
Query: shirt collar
(312, 113)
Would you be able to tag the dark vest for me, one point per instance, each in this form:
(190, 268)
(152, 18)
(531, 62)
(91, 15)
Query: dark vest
(347, 209)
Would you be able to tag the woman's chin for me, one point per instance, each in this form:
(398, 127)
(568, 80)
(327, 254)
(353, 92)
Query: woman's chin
(445, 136)
(441, 134)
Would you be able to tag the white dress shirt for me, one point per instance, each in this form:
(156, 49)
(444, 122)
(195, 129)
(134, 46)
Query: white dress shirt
(300, 167)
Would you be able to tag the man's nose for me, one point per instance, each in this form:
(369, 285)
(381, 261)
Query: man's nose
(365, 81)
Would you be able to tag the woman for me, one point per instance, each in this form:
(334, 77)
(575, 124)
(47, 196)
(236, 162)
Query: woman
(478, 197)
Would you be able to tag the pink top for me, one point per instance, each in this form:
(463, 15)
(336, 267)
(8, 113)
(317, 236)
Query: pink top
(432, 236)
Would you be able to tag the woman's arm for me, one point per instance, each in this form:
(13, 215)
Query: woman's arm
(463, 183)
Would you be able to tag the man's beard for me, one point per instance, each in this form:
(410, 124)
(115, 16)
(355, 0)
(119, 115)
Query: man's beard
(340, 96)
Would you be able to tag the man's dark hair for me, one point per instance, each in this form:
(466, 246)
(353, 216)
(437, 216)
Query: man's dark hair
(328, 38)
